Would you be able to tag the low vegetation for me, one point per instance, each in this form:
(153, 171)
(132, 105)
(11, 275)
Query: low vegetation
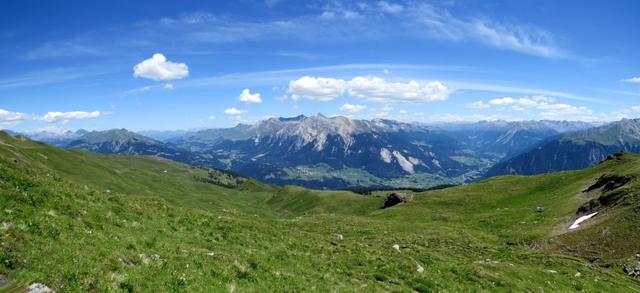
(81, 222)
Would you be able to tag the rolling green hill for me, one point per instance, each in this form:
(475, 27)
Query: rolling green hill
(77, 222)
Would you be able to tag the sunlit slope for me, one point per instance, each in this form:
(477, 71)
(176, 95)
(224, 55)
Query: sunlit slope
(157, 231)
(527, 210)
(134, 176)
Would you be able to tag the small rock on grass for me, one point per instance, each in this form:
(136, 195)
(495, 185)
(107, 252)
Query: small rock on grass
(39, 288)
(396, 247)
(4, 280)
(5, 225)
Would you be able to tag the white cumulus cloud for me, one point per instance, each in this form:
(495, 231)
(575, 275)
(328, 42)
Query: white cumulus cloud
(548, 109)
(159, 68)
(234, 111)
(8, 116)
(67, 116)
(351, 108)
(521, 103)
(377, 89)
(632, 79)
(316, 88)
(247, 97)
(565, 111)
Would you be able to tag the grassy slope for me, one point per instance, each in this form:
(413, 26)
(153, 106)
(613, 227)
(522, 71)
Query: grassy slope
(64, 229)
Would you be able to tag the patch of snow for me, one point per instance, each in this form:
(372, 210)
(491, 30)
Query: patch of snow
(385, 154)
(576, 224)
(403, 162)
(415, 161)
(257, 157)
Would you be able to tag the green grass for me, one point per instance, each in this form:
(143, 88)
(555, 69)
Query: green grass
(80, 222)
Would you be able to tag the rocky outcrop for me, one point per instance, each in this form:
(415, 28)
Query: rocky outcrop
(395, 199)
(611, 194)
(608, 183)
(632, 266)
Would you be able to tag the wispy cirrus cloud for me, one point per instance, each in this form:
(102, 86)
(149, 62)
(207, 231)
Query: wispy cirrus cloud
(510, 89)
(379, 22)
(527, 39)
(271, 77)
(335, 22)
(619, 92)
(49, 76)
(65, 48)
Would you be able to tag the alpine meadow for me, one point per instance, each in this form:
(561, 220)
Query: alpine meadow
(319, 146)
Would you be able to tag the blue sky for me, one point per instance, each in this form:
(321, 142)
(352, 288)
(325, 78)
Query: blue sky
(191, 64)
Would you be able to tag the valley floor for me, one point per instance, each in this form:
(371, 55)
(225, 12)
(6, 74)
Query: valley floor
(81, 222)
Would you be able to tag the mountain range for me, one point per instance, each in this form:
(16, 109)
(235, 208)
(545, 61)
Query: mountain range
(339, 152)
(573, 150)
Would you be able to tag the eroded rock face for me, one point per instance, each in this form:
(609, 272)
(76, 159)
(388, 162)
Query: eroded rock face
(394, 199)
(611, 193)
(609, 182)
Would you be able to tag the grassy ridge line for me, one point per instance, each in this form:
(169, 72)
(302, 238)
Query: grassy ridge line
(156, 177)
